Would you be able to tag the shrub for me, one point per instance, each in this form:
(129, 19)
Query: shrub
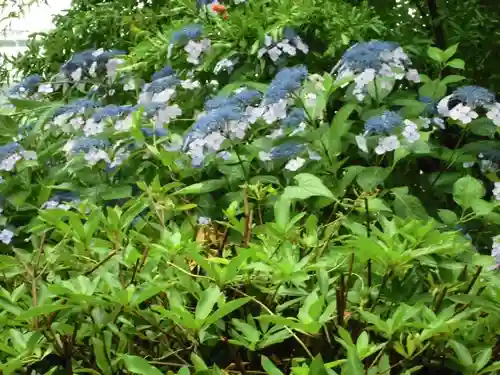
(237, 211)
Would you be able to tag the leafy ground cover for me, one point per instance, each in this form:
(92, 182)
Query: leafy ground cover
(218, 199)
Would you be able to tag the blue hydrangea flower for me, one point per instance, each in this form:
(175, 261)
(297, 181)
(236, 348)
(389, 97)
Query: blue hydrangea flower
(473, 96)
(294, 118)
(243, 99)
(164, 72)
(187, 33)
(81, 60)
(362, 56)
(384, 123)
(213, 121)
(284, 83)
(9, 149)
(112, 111)
(26, 87)
(86, 144)
(77, 106)
(162, 84)
(287, 150)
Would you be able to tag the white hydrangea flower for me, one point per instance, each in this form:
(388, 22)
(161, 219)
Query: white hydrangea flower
(463, 113)
(274, 53)
(45, 88)
(10, 162)
(439, 122)
(387, 144)
(214, 140)
(413, 76)
(494, 114)
(195, 49)
(224, 64)
(92, 69)
(92, 128)
(237, 129)
(313, 155)
(276, 133)
(203, 220)
(77, 74)
(125, 124)
(287, 47)
(112, 67)
(98, 52)
(265, 156)
(254, 113)
(29, 155)
(410, 131)
(168, 113)
(496, 191)
(275, 111)
(442, 106)
(469, 164)
(163, 96)
(76, 122)
(95, 156)
(299, 129)
(190, 84)
(301, 46)
(295, 164)
(6, 236)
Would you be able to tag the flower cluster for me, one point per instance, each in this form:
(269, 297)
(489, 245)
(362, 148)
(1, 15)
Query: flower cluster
(92, 63)
(190, 38)
(27, 87)
(289, 45)
(495, 251)
(463, 104)
(367, 61)
(12, 153)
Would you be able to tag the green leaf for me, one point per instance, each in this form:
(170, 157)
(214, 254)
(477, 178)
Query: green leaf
(100, 355)
(40, 311)
(317, 366)
(269, 366)
(202, 187)
(338, 128)
(448, 217)
(208, 299)
(408, 206)
(282, 212)
(483, 358)
(449, 52)
(117, 192)
(456, 63)
(226, 309)
(463, 354)
(138, 365)
(452, 79)
(435, 54)
(250, 333)
(371, 177)
(467, 190)
(309, 186)
(491, 368)
(198, 363)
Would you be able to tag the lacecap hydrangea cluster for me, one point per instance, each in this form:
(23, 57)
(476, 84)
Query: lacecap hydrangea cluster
(467, 102)
(364, 62)
(289, 45)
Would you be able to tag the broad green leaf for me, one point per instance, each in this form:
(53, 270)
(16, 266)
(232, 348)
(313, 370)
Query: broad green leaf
(456, 63)
(483, 358)
(449, 52)
(226, 309)
(208, 299)
(435, 54)
(371, 177)
(317, 366)
(338, 128)
(467, 190)
(138, 365)
(448, 217)
(308, 186)
(117, 192)
(452, 79)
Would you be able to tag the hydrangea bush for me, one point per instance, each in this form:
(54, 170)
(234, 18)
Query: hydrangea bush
(241, 210)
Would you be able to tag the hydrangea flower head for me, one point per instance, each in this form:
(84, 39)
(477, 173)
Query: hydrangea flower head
(86, 144)
(26, 87)
(187, 33)
(287, 81)
(384, 123)
(294, 118)
(164, 72)
(112, 111)
(473, 96)
(369, 55)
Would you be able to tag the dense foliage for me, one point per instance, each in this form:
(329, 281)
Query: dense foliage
(223, 196)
